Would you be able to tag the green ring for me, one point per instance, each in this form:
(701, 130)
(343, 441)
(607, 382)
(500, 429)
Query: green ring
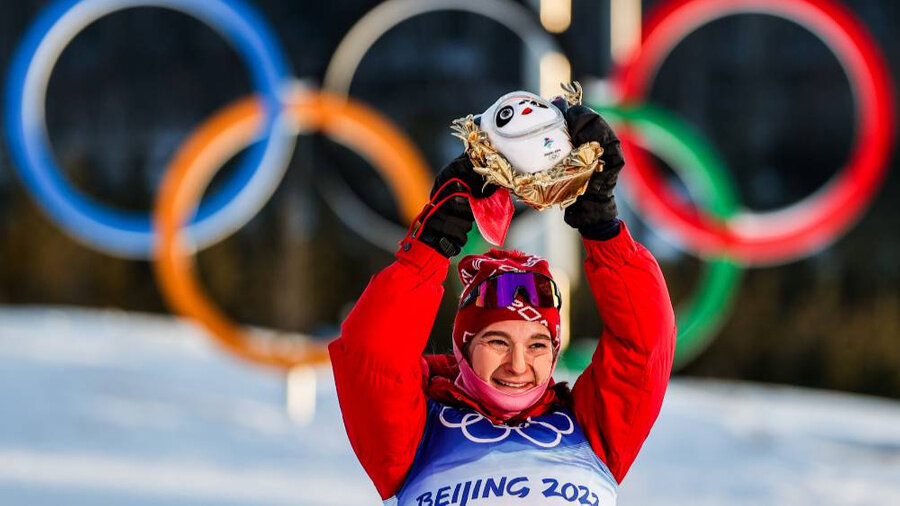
(475, 244)
(705, 176)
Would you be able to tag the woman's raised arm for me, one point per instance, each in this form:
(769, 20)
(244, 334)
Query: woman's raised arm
(377, 363)
(619, 395)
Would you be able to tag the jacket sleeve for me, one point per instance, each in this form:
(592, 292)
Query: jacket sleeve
(377, 363)
(618, 397)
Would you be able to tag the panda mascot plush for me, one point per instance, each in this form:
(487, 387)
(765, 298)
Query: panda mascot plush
(521, 143)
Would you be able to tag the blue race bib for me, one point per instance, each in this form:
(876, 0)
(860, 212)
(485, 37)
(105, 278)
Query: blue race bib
(465, 459)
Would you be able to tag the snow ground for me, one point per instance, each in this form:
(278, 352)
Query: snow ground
(106, 407)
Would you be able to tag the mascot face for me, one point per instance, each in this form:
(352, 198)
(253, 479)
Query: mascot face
(529, 131)
(518, 116)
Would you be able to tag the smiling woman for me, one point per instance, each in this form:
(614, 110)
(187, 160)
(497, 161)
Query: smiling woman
(414, 421)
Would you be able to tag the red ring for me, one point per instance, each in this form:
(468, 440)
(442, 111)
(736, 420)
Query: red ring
(812, 223)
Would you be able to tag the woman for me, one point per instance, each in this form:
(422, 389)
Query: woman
(487, 424)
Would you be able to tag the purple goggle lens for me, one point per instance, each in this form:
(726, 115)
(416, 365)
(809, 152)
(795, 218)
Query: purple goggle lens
(501, 290)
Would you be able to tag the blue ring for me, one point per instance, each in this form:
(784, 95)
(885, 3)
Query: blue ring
(125, 233)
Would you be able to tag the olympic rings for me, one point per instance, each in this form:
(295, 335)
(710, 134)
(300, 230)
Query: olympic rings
(707, 180)
(350, 51)
(786, 234)
(475, 418)
(721, 232)
(221, 137)
(123, 233)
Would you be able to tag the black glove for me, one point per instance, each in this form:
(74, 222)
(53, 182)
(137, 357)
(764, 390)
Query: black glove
(594, 213)
(446, 229)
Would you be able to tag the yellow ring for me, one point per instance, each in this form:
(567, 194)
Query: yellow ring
(223, 136)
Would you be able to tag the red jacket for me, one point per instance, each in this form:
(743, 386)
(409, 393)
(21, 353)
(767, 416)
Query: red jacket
(382, 380)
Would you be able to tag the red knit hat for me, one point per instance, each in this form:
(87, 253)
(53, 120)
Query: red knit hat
(474, 269)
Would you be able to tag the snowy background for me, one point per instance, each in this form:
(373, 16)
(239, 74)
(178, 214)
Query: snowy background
(104, 407)
(115, 408)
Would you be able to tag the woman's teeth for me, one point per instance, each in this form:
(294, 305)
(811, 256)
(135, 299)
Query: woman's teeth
(509, 384)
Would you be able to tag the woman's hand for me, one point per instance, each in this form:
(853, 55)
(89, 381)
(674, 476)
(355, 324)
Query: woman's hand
(594, 214)
(448, 216)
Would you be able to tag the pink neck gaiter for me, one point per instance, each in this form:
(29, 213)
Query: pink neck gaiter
(499, 404)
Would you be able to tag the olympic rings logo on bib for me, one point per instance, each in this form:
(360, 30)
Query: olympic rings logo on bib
(491, 433)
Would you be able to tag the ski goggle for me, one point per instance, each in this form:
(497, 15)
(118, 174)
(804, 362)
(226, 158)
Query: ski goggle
(500, 290)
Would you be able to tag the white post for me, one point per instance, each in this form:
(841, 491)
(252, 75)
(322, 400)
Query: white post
(301, 394)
